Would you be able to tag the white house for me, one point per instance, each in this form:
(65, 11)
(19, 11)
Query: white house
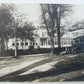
(20, 44)
(42, 40)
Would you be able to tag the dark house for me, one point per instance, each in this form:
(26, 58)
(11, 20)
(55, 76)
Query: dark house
(79, 44)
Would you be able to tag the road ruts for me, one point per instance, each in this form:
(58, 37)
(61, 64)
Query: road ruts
(18, 72)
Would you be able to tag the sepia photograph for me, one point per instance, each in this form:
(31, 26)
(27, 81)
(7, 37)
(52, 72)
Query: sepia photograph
(41, 42)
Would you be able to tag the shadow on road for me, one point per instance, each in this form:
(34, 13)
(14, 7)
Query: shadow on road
(52, 72)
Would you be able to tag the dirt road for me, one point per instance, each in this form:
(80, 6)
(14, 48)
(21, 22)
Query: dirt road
(12, 75)
(16, 73)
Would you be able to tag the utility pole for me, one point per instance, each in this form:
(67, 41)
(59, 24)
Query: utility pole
(15, 42)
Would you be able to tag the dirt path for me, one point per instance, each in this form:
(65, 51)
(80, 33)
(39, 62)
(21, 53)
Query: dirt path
(18, 72)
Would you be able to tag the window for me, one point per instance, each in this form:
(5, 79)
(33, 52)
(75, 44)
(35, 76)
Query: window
(33, 43)
(76, 33)
(69, 42)
(26, 43)
(17, 44)
(22, 43)
(55, 42)
(13, 44)
(36, 43)
(43, 33)
(64, 42)
(37, 32)
(42, 43)
(45, 42)
(49, 42)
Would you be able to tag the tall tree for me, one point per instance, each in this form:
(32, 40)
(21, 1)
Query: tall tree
(51, 16)
(5, 22)
(12, 25)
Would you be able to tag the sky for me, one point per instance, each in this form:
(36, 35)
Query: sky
(32, 13)
(78, 12)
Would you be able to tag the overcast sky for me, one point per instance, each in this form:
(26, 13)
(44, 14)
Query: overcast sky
(32, 12)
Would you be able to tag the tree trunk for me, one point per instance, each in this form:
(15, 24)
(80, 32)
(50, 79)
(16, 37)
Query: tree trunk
(2, 51)
(58, 35)
(58, 29)
(2, 45)
(22, 43)
(52, 45)
(15, 42)
(15, 47)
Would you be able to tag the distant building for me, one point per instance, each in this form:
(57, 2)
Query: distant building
(42, 40)
(77, 32)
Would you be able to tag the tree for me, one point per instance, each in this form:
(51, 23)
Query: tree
(49, 23)
(26, 32)
(22, 30)
(5, 22)
(51, 16)
(12, 25)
